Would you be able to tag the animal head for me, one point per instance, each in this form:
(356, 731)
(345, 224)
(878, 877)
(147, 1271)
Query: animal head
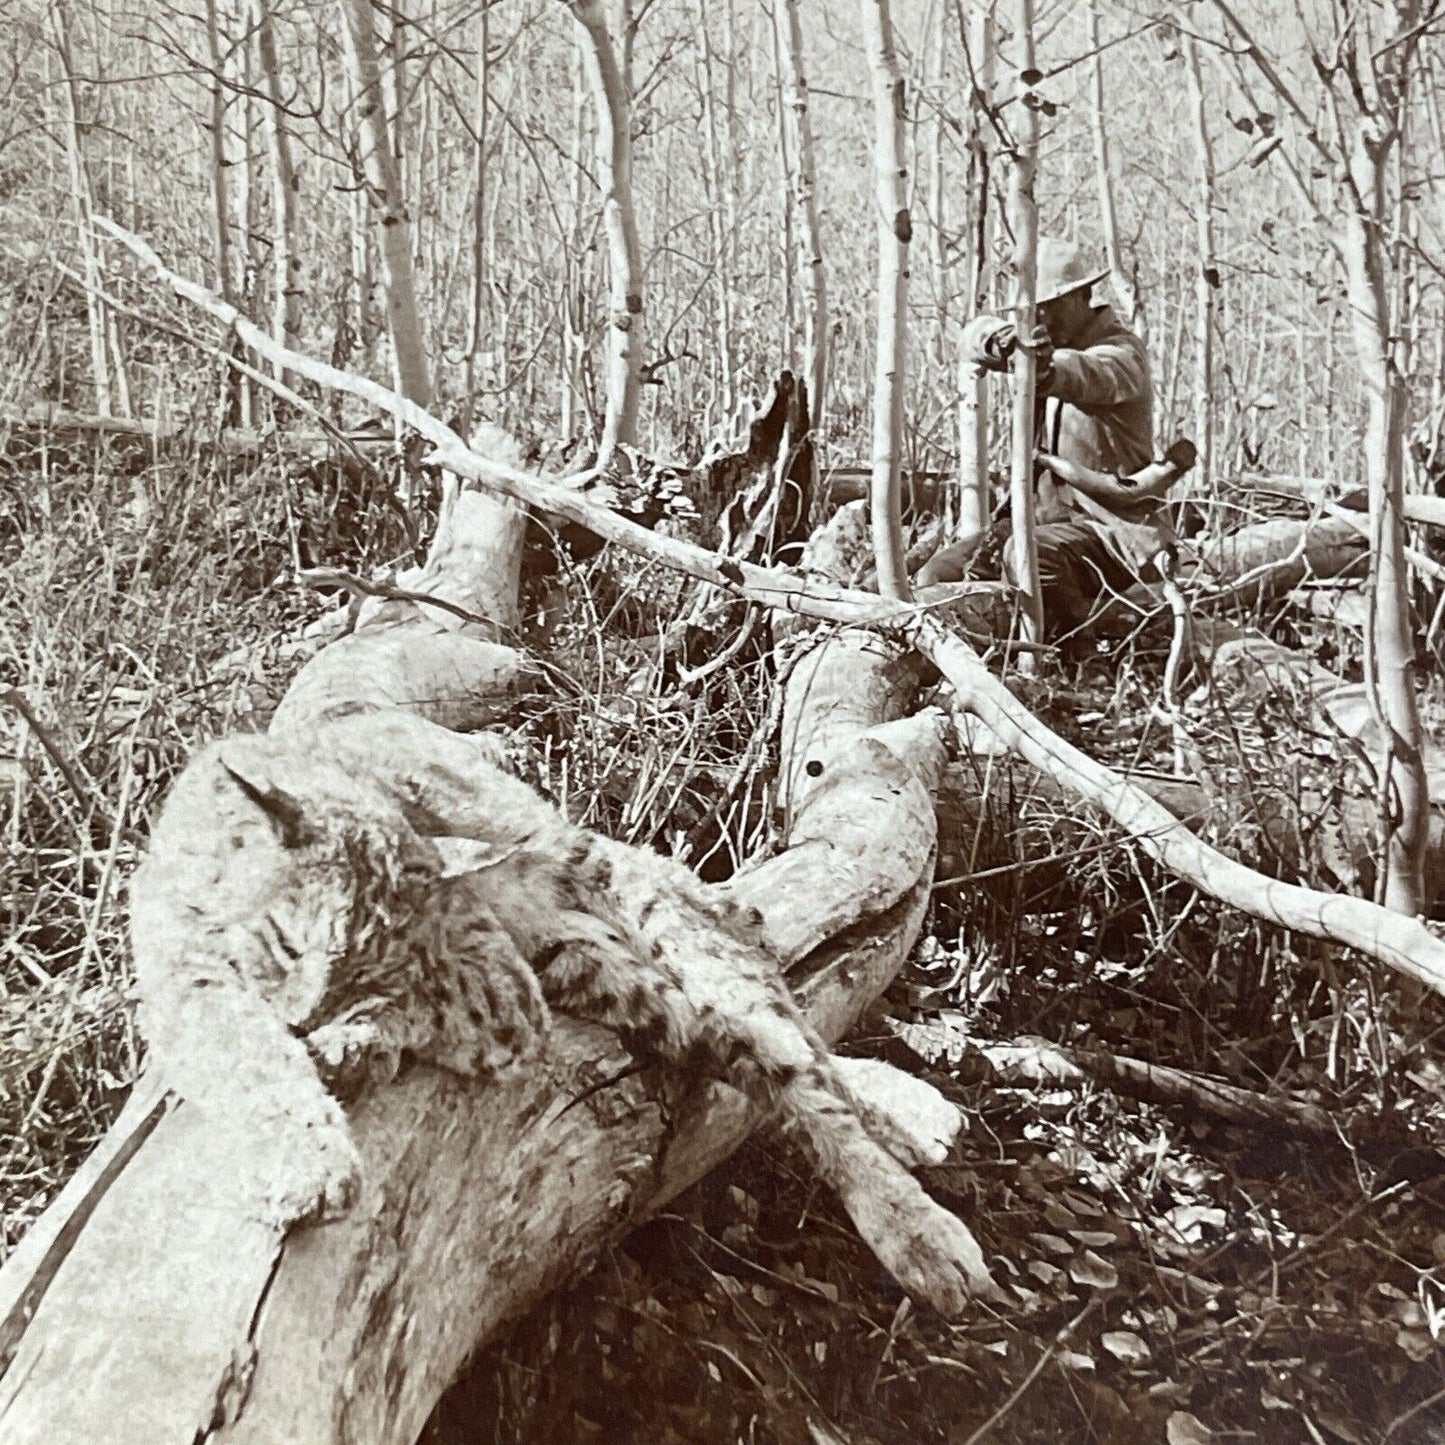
(290, 869)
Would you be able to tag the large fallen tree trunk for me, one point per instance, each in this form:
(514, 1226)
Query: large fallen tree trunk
(154, 1302)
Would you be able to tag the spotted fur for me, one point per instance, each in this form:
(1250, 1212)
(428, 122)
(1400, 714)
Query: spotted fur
(390, 893)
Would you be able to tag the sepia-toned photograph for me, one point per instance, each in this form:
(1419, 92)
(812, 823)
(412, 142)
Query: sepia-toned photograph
(722, 722)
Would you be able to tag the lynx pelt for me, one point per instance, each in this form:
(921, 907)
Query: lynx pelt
(309, 919)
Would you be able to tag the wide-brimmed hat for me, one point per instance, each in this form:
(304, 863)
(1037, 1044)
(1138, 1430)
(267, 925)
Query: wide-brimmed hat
(1063, 267)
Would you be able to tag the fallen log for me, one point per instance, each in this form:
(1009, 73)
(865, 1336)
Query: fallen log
(1405, 944)
(192, 1315)
(1422, 508)
(140, 442)
(1039, 1063)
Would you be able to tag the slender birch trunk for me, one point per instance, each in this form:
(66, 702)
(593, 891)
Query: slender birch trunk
(721, 205)
(806, 195)
(109, 382)
(1023, 212)
(613, 105)
(392, 78)
(241, 158)
(1124, 287)
(1390, 637)
(937, 195)
(285, 191)
(1206, 274)
(477, 312)
(895, 231)
(789, 250)
(574, 400)
(220, 189)
(415, 177)
(383, 178)
(233, 405)
(972, 384)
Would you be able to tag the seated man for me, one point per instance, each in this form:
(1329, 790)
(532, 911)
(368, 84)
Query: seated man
(1096, 411)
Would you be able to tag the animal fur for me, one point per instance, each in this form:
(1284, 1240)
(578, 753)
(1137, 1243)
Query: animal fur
(309, 920)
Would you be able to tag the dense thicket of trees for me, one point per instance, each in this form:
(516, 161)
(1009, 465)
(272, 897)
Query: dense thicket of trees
(117, 109)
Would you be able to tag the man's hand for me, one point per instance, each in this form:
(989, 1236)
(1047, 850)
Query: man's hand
(989, 342)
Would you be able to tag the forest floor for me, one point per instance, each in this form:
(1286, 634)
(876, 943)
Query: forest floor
(1172, 1277)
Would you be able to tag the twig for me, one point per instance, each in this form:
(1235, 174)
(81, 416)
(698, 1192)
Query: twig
(363, 586)
(744, 636)
(1037, 1062)
(84, 792)
(1418, 1408)
(1428, 565)
(1055, 1345)
(1180, 643)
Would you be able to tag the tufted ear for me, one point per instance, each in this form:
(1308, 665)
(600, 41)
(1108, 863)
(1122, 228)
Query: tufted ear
(284, 811)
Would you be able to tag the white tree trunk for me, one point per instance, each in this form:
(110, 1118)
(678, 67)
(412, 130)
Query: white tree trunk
(806, 195)
(1206, 275)
(973, 509)
(1023, 549)
(287, 262)
(477, 293)
(111, 391)
(1391, 660)
(575, 404)
(220, 187)
(1124, 287)
(384, 180)
(624, 247)
(895, 232)
(717, 178)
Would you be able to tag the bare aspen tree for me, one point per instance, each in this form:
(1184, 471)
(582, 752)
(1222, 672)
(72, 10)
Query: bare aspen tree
(414, 170)
(476, 314)
(574, 339)
(220, 187)
(392, 78)
(107, 371)
(287, 262)
(613, 107)
(1023, 213)
(1124, 287)
(789, 250)
(805, 190)
(379, 163)
(895, 232)
(241, 158)
(1365, 91)
(721, 209)
(1206, 274)
(1391, 637)
(972, 384)
(937, 194)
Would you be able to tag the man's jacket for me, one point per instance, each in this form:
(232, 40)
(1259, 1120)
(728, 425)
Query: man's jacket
(1096, 409)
